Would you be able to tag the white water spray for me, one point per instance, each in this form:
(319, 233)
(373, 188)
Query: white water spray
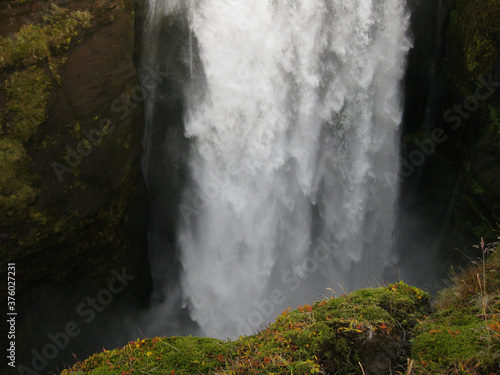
(294, 153)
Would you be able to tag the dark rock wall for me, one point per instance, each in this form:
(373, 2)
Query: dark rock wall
(86, 211)
(470, 116)
(450, 141)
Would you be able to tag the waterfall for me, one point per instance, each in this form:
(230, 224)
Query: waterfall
(292, 111)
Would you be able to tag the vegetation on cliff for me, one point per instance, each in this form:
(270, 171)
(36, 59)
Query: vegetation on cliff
(34, 43)
(473, 37)
(473, 57)
(462, 177)
(30, 60)
(389, 329)
(334, 335)
(27, 94)
(462, 336)
(58, 99)
(66, 81)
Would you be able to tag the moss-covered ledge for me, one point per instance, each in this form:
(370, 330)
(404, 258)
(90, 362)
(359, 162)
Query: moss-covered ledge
(378, 331)
(369, 329)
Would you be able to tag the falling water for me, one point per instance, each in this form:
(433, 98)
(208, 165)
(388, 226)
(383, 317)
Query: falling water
(292, 117)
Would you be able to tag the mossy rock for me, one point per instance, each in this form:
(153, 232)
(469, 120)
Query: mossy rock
(373, 331)
(340, 335)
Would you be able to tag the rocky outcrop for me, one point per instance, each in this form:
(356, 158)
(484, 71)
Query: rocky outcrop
(451, 132)
(72, 197)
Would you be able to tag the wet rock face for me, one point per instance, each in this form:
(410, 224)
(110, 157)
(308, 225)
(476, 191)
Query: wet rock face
(451, 90)
(74, 206)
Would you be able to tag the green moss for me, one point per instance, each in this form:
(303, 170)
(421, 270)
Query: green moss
(34, 43)
(35, 54)
(182, 355)
(444, 341)
(473, 25)
(54, 64)
(191, 355)
(62, 26)
(463, 335)
(333, 335)
(16, 190)
(345, 335)
(19, 2)
(27, 92)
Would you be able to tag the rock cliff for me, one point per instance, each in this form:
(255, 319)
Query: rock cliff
(73, 204)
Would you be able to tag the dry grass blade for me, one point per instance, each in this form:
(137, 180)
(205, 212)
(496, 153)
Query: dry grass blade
(362, 369)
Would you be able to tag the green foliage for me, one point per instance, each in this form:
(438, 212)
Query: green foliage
(16, 191)
(466, 286)
(27, 92)
(31, 53)
(172, 355)
(34, 43)
(463, 336)
(474, 24)
(444, 340)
